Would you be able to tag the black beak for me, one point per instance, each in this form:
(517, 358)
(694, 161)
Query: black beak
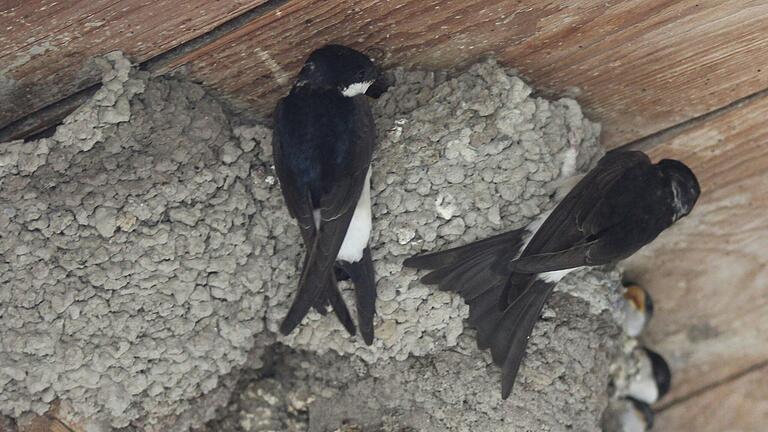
(378, 87)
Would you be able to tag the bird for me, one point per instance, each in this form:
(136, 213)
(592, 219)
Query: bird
(652, 380)
(620, 205)
(323, 141)
(638, 309)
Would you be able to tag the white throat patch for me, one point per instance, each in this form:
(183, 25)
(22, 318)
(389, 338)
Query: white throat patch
(677, 202)
(643, 386)
(356, 89)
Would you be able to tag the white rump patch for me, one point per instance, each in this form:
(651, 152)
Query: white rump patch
(555, 276)
(356, 89)
(532, 228)
(359, 229)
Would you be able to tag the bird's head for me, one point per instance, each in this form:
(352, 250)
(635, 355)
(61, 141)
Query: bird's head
(639, 298)
(340, 68)
(684, 185)
(662, 375)
(652, 378)
(638, 309)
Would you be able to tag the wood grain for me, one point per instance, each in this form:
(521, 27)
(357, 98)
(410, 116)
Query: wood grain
(738, 406)
(46, 45)
(708, 274)
(638, 66)
(61, 417)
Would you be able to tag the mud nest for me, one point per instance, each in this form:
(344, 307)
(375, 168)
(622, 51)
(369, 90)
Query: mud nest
(147, 259)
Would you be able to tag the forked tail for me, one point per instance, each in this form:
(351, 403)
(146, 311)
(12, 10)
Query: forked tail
(478, 272)
(314, 294)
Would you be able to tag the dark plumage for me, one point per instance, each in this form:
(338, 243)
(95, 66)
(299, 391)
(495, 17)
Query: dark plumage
(323, 142)
(662, 375)
(618, 207)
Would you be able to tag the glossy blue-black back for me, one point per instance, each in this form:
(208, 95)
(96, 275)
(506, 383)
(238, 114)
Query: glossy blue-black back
(317, 134)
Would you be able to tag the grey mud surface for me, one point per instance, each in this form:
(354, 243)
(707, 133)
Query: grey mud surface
(147, 261)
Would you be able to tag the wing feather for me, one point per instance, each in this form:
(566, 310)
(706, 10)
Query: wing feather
(565, 228)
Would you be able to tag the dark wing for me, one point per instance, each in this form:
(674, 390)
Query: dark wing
(577, 256)
(337, 205)
(297, 198)
(570, 237)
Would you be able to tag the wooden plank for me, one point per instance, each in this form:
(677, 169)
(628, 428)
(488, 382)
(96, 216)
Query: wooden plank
(737, 406)
(708, 274)
(45, 424)
(638, 66)
(59, 418)
(45, 45)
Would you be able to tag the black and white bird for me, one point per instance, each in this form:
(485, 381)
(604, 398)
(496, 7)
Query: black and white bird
(653, 378)
(618, 207)
(638, 309)
(323, 141)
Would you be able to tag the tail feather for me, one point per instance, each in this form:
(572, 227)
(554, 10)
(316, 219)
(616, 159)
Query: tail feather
(331, 296)
(317, 296)
(469, 296)
(307, 297)
(469, 269)
(363, 277)
(539, 293)
(486, 319)
(337, 303)
(321, 306)
(516, 285)
(468, 276)
(504, 332)
(317, 284)
(448, 257)
(503, 306)
(474, 275)
(515, 317)
(309, 294)
(437, 276)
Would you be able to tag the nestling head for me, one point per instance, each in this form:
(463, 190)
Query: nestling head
(338, 67)
(685, 186)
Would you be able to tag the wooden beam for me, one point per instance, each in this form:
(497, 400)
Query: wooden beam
(638, 66)
(708, 274)
(737, 406)
(46, 45)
